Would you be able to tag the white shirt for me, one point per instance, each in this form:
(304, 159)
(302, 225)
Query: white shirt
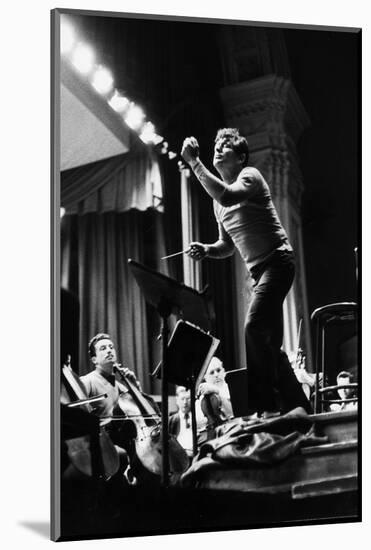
(185, 433)
(252, 226)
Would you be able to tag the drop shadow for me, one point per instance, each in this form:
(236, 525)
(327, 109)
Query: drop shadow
(42, 528)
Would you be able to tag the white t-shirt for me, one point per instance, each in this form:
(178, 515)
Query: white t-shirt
(253, 225)
(185, 432)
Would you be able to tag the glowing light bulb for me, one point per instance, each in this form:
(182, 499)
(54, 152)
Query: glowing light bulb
(118, 102)
(157, 139)
(83, 58)
(134, 117)
(172, 155)
(68, 37)
(164, 148)
(148, 133)
(102, 80)
(62, 212)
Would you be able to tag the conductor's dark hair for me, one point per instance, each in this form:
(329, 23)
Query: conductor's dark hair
(239, 143)
(95, 340)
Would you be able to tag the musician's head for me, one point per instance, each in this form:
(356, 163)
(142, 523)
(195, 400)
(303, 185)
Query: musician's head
(215, 373)
(345, 378)
(231, 150)
(183, 399)
(102, 351)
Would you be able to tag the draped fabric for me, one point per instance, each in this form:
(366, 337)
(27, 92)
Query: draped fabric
(251, 449)
(95, 250)
(132, 180)
(105, 225)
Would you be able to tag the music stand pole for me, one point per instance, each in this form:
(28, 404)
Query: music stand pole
(168, 296)
(192, 386)
(164, 402)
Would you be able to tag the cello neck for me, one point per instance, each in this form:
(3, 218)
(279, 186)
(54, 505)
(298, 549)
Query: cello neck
(144, 405)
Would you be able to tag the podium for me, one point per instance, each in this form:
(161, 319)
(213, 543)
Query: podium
(168, 296)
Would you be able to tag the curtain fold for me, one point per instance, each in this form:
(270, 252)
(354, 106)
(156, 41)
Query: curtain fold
(78, 183)
(113, 213)
(132, 180)
(95, 249)
(110, 299)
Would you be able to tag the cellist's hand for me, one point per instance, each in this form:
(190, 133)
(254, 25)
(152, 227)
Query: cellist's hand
(130, 375)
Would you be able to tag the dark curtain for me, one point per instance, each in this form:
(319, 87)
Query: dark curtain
(118, 218)
(95, 253)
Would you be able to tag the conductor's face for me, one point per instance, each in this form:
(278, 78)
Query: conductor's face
(105, 353)
(224, 155)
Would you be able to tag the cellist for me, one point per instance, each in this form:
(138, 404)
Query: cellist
(102, 380)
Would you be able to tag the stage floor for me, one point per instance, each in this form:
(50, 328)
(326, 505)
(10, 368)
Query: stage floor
(316, 485)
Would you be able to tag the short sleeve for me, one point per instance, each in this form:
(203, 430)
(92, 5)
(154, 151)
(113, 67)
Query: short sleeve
(248, 185)
(249, 179)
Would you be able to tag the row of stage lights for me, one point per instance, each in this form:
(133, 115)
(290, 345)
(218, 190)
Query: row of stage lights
(82, 57)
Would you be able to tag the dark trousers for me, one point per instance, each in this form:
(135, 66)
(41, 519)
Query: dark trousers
(267, 365)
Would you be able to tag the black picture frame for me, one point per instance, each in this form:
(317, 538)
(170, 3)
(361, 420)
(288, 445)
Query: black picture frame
(268, 512)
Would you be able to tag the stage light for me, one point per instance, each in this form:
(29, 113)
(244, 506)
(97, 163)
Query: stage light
(68, 37)
(157, 139)
(148, 133)
(62, 212)
(134, 117)
(102, 80)
(118, 102)
(164, 148)
(83, 58)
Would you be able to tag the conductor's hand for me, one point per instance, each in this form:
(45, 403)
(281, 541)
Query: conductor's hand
(197, 251)
(190, 149)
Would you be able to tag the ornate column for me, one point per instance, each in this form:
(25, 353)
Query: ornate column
(192, 271)
(268, 111)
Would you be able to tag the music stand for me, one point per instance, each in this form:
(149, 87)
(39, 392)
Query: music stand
(189, 353)
(168, 296)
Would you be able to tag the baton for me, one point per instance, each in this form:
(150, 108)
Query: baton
(176, 254)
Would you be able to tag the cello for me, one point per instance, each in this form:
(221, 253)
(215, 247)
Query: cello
(147, 422)
(90, 449)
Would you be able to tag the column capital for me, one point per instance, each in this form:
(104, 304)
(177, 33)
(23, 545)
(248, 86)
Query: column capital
(265, 108)
(269, 112)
